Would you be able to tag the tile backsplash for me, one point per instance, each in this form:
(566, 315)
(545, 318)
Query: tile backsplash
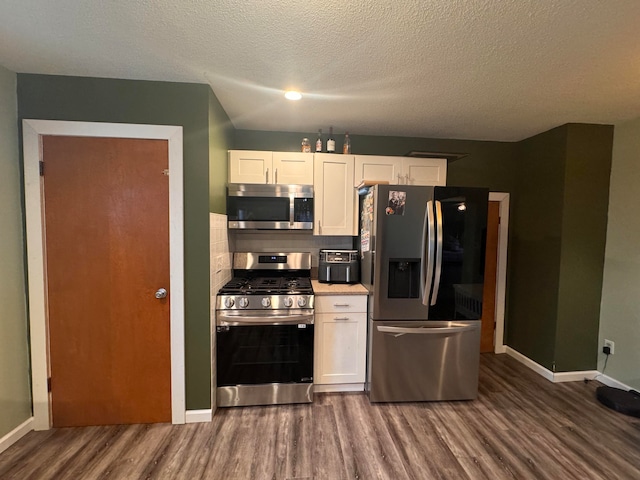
(220, 271)
(220, 253)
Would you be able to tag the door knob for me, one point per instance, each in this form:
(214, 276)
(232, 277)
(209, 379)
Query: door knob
(161, 293)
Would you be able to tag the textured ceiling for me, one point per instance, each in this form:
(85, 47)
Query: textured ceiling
(475, 69)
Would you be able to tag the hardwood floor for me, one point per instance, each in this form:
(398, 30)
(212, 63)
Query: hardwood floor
(520, 427)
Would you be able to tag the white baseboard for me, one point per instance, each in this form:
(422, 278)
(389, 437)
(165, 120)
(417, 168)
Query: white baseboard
(536, 367)
(339, 387)
(559, 377)
(198, 416)
(612, 382)
(16, 434)
(576, 376)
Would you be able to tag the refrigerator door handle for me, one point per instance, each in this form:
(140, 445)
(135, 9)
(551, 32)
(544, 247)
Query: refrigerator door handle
(436, 282)
(453, 329)
(428, 246)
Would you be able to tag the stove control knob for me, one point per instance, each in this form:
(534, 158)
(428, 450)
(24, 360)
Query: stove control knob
(266, 302)
(244, 302)
(302, 301)
(288, 302)
(229, 302)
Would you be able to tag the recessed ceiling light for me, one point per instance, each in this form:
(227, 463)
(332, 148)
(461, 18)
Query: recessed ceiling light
(292, 95)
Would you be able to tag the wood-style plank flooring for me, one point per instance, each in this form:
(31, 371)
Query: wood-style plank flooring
(520, 427)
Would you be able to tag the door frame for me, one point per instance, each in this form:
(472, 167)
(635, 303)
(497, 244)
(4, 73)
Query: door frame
(501, 272)
(32, 132)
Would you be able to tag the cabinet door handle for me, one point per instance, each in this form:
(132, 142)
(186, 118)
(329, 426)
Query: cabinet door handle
(341, 318)
(276, 176)
(319, 228)
(266, 176)
(341, 305)
(407, 179)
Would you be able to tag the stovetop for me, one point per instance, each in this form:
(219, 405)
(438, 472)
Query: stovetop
(268, 286)
(266, 282)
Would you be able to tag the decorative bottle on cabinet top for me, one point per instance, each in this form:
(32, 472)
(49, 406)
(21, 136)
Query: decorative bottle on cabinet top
(346, 147)
(306, 146)
(319, 141)
(331, 142)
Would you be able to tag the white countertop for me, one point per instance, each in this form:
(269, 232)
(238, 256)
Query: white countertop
(337, 288)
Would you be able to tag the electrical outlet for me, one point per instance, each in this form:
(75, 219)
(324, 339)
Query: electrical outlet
(610, 344)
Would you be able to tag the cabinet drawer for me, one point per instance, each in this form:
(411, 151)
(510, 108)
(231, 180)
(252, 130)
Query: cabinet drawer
(341, 303)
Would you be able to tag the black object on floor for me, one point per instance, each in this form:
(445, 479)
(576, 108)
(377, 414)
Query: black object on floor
(620, 400)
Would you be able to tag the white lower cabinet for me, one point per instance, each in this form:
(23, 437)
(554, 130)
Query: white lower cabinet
(340, 343)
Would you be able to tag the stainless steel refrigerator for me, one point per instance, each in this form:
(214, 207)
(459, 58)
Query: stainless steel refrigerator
(422, 256)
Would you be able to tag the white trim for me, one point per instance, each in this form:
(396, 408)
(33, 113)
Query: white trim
(339, 387)
(32, 131)
(199, 416)
(611, 382)
(16, 434)
(536, 367)
(501, 273)
(557, 377)
(575, 376)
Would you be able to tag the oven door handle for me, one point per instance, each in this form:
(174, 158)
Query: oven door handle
(235, 320)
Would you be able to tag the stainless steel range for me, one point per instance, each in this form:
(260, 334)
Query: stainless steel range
(264, 326)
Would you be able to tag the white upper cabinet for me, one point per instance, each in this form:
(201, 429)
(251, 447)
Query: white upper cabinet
(293, 168)
(334, 195)
(252, 166)
(378, 169)
(424, 171)
(400, 170)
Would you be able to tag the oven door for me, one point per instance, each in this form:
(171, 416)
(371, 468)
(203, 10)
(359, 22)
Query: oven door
(260, 364)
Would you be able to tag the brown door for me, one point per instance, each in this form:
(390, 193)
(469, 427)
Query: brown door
(490, 276)
(106, 204)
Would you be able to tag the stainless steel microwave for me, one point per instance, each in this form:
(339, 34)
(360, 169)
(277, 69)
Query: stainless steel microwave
(270, 207)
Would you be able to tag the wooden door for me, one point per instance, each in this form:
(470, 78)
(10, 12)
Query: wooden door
(490, 276)
(106, 213)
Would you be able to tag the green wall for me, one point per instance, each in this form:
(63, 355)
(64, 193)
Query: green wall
(221, 135)
(15, 390)
(620, 313)
(160, 103)
(557, 248)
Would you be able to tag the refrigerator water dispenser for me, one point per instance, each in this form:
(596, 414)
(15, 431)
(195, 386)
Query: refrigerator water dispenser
(404, 278)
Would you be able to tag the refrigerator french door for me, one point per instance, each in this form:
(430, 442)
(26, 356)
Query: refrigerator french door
(422, 252)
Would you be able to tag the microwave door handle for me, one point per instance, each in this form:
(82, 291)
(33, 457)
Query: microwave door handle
(436, 282)
(292, 211)
(428, 245)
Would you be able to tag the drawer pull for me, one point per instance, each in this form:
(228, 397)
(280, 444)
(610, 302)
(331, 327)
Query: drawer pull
(341, 305)
(341, 318)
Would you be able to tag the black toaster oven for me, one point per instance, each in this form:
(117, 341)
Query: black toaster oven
(339, 266)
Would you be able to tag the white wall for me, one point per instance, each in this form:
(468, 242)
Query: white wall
(620, 311)
(15, 391)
